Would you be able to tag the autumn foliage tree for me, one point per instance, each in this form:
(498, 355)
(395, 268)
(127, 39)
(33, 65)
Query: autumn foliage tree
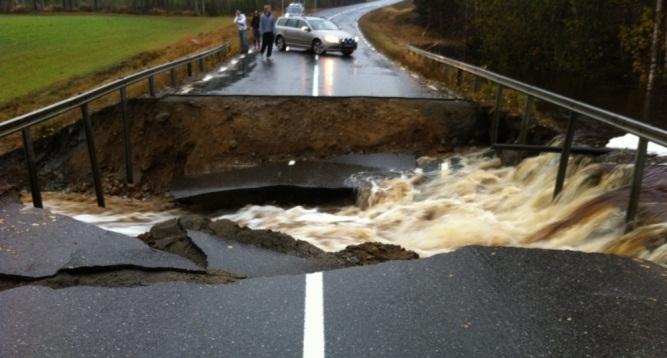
(593, 39)
(185, 7)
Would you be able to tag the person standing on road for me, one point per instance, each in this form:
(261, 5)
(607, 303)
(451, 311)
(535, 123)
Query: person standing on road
(256, 36)
(241, 24)
(267, 27)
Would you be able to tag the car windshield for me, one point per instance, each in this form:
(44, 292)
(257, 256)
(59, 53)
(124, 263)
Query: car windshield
(323, 25)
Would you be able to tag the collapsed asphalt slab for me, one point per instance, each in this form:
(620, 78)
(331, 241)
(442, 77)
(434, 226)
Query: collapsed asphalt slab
(302, 182)
(478, 301)
(37, 243)
(250, 260)
(291, 182)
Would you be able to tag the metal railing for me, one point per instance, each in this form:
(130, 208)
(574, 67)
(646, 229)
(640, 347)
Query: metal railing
(24, 122)
(577, 109)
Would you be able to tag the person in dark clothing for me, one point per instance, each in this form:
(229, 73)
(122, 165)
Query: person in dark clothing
(267, 27)
(256, 36)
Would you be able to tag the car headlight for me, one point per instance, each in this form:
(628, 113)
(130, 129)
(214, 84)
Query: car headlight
(356, 39)
(331, 38)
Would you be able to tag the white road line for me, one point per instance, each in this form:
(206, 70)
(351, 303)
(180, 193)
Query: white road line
(316, 77)
(313, 325)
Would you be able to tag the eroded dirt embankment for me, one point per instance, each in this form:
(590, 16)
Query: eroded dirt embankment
(192, 135)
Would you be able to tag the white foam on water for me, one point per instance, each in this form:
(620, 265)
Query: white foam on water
(631, 141)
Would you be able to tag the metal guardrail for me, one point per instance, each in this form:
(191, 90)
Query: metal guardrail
(24, 122)
(644, 131)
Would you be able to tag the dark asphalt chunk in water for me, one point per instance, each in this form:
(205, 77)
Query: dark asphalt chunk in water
(252, 261)
(298, 182)
(36, 243)
(386, 161)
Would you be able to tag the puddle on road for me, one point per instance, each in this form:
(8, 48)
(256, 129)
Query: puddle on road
(223, 76)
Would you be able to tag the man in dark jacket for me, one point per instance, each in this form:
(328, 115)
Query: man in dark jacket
(267, 26)
(256, 36)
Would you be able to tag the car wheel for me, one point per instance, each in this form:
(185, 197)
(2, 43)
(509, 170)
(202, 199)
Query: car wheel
(347, 52)
(318, 47)
(280, 43)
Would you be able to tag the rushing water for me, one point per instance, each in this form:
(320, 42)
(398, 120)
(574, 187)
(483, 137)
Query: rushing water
(470, 199)
(130, 217)
(476, 202)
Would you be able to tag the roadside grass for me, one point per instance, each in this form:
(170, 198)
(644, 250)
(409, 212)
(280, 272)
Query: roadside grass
(69, 57)
(37, 51)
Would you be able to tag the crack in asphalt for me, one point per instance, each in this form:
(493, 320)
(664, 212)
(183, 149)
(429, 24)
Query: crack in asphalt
(119, 276)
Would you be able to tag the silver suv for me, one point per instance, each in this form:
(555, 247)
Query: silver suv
(295, 9)
(315, 33)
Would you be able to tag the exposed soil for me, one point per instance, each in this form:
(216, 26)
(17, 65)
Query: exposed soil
(269, 240)
(358, 255)
(171, 236)
(373, 253)
(179, 136)
(118, 277)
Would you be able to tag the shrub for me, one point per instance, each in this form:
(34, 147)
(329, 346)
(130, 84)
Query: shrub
(157, 11)
(53, 8)
(85, 7)
(19, 9)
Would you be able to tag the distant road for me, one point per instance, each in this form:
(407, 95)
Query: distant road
(365, 73)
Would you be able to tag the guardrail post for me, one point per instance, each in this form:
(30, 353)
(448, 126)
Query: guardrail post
(201, 65)
(475, 83)
(129, 174)
(459, 75)
(90, 140)
(151, 86)
(172, 77)
(636, 187)
(565, 155)
(495, 124)
(445, 71)
(32, 168)
(189, 69)
(523, 132)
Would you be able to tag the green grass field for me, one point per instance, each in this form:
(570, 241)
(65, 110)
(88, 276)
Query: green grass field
(36, 51)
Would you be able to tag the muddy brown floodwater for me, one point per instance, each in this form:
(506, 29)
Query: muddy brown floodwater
(458, 196)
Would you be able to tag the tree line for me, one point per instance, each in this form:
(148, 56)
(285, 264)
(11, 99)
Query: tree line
(592, 39)
(181, 7)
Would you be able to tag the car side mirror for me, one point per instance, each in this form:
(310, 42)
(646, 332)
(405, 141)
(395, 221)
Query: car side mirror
(305, 28)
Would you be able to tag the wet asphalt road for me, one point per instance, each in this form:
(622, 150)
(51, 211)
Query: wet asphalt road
(36, 243)
(476, 302)
(297, 72)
